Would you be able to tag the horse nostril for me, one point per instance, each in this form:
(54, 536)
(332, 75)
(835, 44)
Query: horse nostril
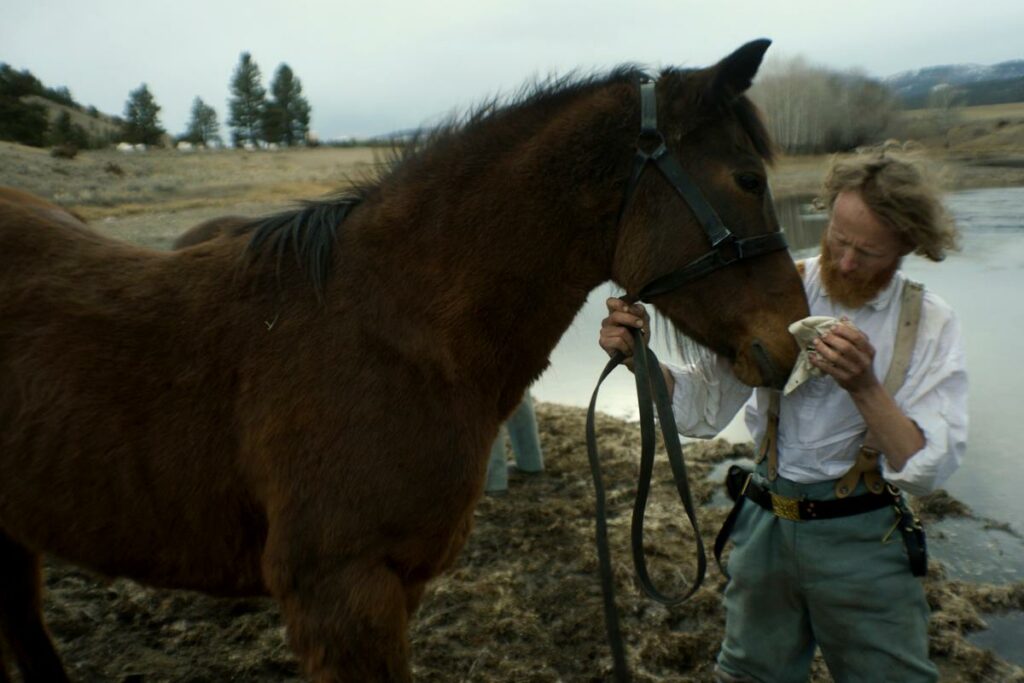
(769, 372)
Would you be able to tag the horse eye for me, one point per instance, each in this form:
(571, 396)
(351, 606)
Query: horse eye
(750, 182)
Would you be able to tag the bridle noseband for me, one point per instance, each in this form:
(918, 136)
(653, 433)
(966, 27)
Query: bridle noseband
(726, 248)
(652, 392)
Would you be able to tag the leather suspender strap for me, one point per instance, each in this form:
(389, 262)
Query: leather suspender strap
(770, 443)
(906, 335)
(741, 486)
(866, 465)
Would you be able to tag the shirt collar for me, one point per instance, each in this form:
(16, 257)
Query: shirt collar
(884, 297)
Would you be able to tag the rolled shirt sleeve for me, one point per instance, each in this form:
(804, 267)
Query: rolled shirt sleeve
(935, 398)
(706, 396)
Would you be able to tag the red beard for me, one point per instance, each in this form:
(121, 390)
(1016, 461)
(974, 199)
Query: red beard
(849, 290)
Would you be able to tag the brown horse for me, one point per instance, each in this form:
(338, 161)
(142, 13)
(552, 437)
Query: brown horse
(209, 229)
(304, 407)
(58, 213)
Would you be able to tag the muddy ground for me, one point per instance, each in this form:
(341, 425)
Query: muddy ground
(523, 602)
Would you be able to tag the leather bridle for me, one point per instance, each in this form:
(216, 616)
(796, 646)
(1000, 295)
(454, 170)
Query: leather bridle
(726, 249)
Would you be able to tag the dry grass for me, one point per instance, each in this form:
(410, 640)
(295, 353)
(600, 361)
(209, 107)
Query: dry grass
(985, 148)
(1013, 111)
(523, 602)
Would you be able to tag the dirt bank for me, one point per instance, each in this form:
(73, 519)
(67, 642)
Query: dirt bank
(522, 604)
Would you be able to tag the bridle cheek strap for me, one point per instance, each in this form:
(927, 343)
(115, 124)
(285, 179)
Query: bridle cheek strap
(726, 248)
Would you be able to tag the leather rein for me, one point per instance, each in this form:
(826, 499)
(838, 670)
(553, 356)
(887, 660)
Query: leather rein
(651, 389)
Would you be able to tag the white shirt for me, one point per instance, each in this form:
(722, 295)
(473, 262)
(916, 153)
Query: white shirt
(820, 428)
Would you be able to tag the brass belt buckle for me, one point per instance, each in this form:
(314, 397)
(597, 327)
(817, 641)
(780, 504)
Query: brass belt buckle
(786, 508)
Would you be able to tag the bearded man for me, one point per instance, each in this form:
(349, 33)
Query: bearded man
(825, 552)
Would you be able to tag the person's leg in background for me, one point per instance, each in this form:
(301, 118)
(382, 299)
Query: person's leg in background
(497, 465)
(525, 438)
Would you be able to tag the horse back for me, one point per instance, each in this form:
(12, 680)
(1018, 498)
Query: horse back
(17, 197)
(210, 229)
(162, 404)
(116, 420)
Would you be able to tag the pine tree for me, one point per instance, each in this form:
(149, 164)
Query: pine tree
(287, 116)
(65, 132)
(203, 128)
(20, 121)
(141, 114)
(247, 104)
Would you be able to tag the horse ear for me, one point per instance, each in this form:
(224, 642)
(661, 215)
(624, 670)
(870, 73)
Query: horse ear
(734, 74)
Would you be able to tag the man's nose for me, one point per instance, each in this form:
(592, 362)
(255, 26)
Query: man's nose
(848, 261)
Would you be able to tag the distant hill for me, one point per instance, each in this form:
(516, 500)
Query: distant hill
(97, 124)
(34, 114)
(974, 84)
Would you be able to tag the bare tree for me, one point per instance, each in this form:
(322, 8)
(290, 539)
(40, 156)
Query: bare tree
(811, 109)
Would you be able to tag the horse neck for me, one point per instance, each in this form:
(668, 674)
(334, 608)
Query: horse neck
(505, 256)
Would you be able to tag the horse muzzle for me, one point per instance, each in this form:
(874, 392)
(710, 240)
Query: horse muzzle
(771, 375)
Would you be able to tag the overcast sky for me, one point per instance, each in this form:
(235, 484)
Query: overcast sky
(374, 66)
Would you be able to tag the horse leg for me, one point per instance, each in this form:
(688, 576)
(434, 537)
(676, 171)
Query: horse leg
(347, 619)
(21, 618)
(4, 676)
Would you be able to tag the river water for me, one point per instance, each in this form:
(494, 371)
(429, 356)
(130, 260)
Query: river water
(984, 283)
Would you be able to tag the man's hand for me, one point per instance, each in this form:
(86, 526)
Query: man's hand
(615, 329)
(616, 335)
(845, 354)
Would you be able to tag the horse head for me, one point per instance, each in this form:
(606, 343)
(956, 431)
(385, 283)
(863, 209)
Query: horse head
(699, 240)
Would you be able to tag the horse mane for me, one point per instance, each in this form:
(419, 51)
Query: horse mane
(310, 231)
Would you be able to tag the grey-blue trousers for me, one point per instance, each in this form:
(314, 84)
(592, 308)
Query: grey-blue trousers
(521, 429)
(830, 582)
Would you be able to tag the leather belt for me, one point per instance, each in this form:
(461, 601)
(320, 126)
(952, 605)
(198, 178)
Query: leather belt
(801, 510)
(741, 485)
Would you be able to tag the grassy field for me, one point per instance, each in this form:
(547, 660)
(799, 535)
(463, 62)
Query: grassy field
(983, 133)
(152, 196)
(1011, 112)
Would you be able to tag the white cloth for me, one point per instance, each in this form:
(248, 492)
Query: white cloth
(820, 429)
(805, 332)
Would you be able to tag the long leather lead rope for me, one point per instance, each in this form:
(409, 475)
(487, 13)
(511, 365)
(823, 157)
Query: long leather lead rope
(647, 371)
(726, 249)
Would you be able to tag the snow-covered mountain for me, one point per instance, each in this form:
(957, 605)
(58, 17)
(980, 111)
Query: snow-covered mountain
(914, 86)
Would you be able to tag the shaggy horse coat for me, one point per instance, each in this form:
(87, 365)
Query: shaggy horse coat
(303, 406)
